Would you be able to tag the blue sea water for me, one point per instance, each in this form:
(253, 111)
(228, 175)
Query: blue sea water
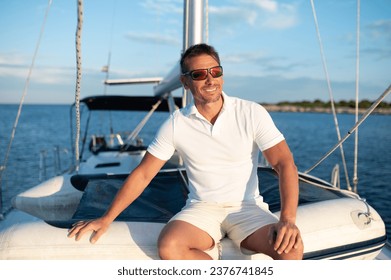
(309, 135)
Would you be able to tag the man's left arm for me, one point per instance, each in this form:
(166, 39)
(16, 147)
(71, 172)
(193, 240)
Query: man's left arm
(286, 234)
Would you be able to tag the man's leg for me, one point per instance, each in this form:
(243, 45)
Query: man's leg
(259, 242)
(181, 240)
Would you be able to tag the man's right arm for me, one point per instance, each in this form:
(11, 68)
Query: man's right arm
(132, 188)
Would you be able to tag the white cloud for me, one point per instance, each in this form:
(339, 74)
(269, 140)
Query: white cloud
(38, 75)
(283, 17)
(256, 13)
(54, 76)
(18, 65)
(280, 21)
(159, 7)
(268, 5)
(248, 57)
(379, 29)
(153, 38)
(229, 15)
(12, 59)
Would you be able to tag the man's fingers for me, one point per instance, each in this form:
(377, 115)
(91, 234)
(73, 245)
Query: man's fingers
(278, 243)
(291, 243)
(283, 241)
(96, 235)
(82, 230)
(288, 237)
(73, 231)
(78, 229)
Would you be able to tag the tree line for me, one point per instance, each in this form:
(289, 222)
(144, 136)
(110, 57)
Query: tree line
(364, 104)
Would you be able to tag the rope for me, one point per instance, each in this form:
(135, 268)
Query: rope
(78, 79)
(355, 176)
(354, 128)
(330, 93)
(26, 86)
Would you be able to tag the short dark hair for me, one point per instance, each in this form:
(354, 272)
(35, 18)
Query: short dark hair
(196, 50)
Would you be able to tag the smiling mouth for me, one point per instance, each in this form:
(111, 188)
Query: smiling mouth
(211, 89)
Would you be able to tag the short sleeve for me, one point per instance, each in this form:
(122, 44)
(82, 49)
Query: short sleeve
(162, 145)
(266, 134)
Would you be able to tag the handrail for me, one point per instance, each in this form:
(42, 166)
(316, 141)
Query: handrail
(356, 125)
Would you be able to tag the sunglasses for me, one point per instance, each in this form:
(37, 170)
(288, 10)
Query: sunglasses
(202, 74)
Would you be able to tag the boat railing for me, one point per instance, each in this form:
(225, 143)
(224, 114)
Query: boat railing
(335, 178)
(52, 162)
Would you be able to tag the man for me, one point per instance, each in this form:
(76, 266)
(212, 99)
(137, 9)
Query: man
(218, 138)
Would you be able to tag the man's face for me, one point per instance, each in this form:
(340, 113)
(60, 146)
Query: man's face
(204, 91)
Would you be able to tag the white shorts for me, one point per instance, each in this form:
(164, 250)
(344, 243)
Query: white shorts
(237, 221)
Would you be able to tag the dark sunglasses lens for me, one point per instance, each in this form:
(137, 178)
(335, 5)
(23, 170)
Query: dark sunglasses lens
(216, 72)
(199, 74)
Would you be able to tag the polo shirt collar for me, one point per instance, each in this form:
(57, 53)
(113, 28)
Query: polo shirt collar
(191, 109)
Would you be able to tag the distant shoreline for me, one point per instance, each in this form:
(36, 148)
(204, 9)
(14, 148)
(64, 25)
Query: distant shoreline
(339, 110)
(292, 108)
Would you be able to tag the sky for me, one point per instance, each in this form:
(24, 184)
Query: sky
(269, 49)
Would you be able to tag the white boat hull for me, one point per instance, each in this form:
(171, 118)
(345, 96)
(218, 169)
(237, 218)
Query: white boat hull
(51, 200)
(326, 235)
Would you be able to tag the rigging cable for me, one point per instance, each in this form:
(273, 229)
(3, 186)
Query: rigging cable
(206, 21)
(355, 176)
(354, 128)
(330, 94)
(27, 83)
(140, 126)
(78, 79)
(106, 68)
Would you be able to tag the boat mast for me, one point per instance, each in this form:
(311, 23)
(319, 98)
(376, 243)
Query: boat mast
(193, 32)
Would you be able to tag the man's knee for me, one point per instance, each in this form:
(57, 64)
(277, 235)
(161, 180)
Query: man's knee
(166, 247)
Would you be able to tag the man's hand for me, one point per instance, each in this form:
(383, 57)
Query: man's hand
(98, 228)
(284, 236)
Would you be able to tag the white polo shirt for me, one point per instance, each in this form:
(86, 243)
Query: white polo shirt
(221, 159)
